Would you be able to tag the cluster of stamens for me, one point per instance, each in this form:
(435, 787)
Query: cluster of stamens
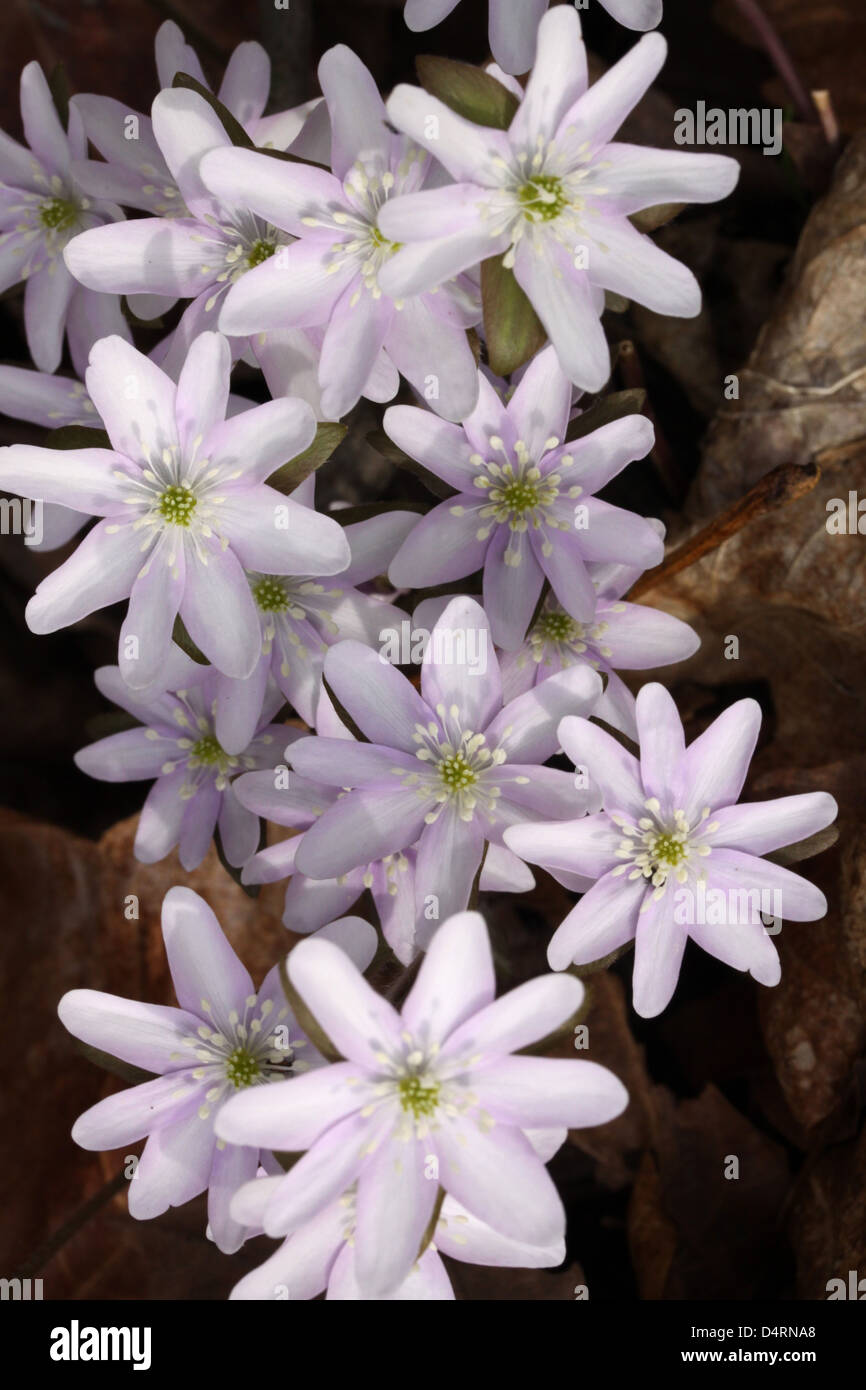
(426, 1092)
(253, 1050)
(460, 763)
(519, 494)
(660, 847)
(367, 187)
(199, 750)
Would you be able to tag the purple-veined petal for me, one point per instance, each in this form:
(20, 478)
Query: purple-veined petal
(443, 546)
(394, 1204)
(86, 480)
(541, 404)
(149, 255)
(716, 763)
(662, 746)
(150, 1036)
(161, 818)
(129, 1115)
(354, 337)
(483, 1170)
(155, 597)
(435, 357)
(659, 945)
(636, 177)
(360, 1022)
(135, 400)
(357, 112)
(587, 846)
(209, 980)
(759, 827)
(604, 919)
(460, 666)
(383, 703)
(524, 1091)
(218, 609)
(528, 724)
(100, 572)
(519, 1018)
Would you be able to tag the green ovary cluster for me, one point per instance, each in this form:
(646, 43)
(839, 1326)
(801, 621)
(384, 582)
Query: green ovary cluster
(456, 772)
(668, 850)
(260, 251)
(558, 627)
(177, 504)
(418, 1097)
(57, 214)
(270, 595)
(543, 198)
(242, 1069)
(207, 751)
(520, 496)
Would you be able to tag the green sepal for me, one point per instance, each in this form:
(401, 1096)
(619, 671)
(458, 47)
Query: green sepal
(513, 330)
(470, 91)
(613, 407)
(288, 476)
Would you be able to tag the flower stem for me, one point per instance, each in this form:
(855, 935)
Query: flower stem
(780, 57)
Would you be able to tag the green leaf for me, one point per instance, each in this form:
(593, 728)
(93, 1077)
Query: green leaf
(648, 219)
(77, 437)
(344, 715)
(613, 407)
(233, 128)
(184, 641)
(307, 1022)
(512, 328)
(328, 436)
(125, 1070)
(470, 91)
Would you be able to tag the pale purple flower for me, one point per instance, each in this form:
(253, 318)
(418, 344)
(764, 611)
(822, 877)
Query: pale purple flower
(552, 195)
(42, 206)
(135, 172)
(301, 617)
(524, 509)
(407, 922)
(619, 637)
(428, 1097)
(330, 276)
(177, 744)
(223, 1038)
(672, 855)
(198, 255)
(321, 1254)
(185, 509)
(514, 23)
(447, 769)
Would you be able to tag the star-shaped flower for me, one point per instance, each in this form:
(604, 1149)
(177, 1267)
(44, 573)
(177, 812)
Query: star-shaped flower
(525, 509)
(224, 1038)
(552, 196)
(672, 855)
(428, 1097)
(185, 509)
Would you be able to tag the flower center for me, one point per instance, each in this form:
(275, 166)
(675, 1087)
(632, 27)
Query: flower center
(461, 767)
(260, 251)
(207, 751)
(559, 627)
(418, 1097)
(242, 1068)
(177, 504)
(456, 772)
(655, 849)
(542, 198)
(58, 213)
(271, 595)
